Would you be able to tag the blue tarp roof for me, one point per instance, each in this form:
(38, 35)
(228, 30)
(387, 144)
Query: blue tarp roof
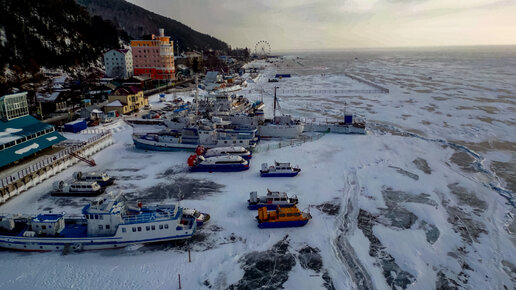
(25, 127)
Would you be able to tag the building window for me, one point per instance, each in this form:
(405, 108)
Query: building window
(107, 227)
(166, 226)
(123, 230)
(153, 228)
(160, 227)
(134, 229)
(139, 229)
(147, 228)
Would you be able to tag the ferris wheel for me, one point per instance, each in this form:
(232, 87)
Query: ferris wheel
(262, 48)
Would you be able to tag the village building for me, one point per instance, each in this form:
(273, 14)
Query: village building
(155, 57)
(118, 63)
(22, 135)
(126, 100)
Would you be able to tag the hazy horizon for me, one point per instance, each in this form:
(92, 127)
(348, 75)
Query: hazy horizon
(333, 24)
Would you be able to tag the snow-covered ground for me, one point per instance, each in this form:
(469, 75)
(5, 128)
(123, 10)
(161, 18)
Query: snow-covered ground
(389, 209)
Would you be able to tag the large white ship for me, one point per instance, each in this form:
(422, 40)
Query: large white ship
(106, 223)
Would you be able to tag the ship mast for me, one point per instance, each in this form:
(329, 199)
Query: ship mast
(196, 97)
(274, 107)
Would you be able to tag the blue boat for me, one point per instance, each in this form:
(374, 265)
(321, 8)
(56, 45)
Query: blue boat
(279, 169)
(271, 200)
(217, 164)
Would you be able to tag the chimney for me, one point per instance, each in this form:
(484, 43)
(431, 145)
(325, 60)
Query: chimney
(161, 32)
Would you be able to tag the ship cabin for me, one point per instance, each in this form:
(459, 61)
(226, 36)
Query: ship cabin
(48, 224)
(100, 177)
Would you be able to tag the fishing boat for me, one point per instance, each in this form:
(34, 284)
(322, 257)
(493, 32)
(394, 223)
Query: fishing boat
(189, 139)
(100, 177)
(106, 223)
(279, 169)
(222, 151)
(200, 217)
(217, 164)
(76, 188)
(271, 200)
(282, 217)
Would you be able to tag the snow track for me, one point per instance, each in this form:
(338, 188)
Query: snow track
(345, 225)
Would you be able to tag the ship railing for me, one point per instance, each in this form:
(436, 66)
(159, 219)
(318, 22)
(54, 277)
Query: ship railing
(147, 217)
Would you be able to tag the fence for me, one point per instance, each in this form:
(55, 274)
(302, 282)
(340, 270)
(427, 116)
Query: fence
(286, 143)
(378, 87)
(43, 164)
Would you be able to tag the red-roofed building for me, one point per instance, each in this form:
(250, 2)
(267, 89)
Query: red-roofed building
(119, 63)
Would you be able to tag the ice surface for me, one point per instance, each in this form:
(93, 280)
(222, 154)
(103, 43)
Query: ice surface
(444, 228)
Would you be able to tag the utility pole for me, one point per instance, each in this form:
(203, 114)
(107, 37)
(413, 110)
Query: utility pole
(196, 96)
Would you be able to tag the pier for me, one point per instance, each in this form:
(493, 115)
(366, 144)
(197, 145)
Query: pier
(21, 180)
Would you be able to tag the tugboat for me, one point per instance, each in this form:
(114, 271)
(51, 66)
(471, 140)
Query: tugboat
(271, 201)
(279, 170)
(107, 223)
(217, 164)
(200, 217)
(282, 217)
(100, 177)
(221, 151)
(76, 188)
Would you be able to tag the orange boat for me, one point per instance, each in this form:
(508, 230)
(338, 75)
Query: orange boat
(282, 217)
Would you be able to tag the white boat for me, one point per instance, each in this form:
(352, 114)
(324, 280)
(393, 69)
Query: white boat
(225, 163)
(100, 177)
(279, 169)
(222, 151)
(200, 217)
(271, 201)
(76, 188)
(189, 139)
(106, 223)
(349, 126)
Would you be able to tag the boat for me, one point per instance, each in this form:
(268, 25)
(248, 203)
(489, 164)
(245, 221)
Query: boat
(280, 126)
(279, 169)
(106, 223)
(271, 200)
(350, 125)
(225, 163)
(200, 217)
(76, 188)
(189, 139)
(100, 177)
(222, 151)
(282, 217)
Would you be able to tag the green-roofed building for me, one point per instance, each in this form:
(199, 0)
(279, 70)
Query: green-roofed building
(22, 135)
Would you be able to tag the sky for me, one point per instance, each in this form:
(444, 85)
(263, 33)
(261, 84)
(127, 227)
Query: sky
(336, 24)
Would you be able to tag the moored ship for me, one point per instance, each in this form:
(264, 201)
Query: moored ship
(106, 223)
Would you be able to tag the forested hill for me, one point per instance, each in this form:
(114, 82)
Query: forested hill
(138, 22)
(50, 34)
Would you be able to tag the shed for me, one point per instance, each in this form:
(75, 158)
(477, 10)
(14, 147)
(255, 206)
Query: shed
(76, 126)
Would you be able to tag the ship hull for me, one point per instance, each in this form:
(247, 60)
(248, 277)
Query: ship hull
(219, 168)
(285, 224)
(280, 131)
(269, 206)
(334, 128)
(282, 174)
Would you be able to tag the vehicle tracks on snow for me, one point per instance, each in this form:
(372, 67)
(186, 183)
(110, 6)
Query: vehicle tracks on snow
(346, 224)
